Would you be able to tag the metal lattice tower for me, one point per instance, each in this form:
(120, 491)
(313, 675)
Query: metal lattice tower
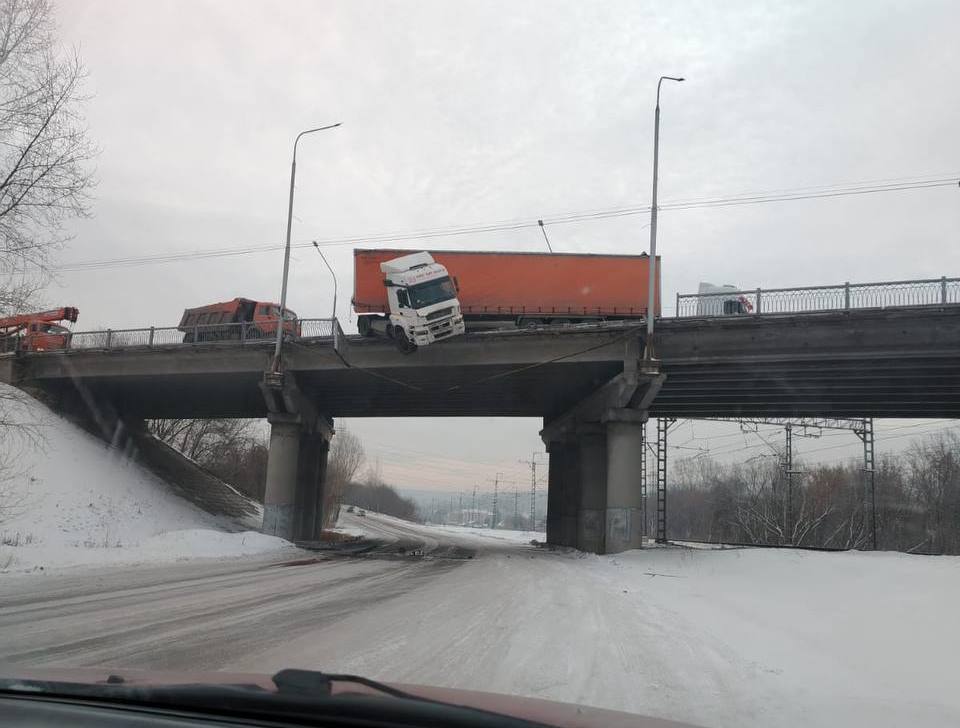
(663, 424)
(496, 487)
(788, 471)
(643, 478)
(865, 433)
(532, 462)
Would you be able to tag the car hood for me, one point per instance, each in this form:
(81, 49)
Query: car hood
(563, 715)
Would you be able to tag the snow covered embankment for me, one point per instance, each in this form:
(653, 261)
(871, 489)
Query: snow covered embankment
(67, 499)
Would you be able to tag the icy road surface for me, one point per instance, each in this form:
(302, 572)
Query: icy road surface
(740, 637)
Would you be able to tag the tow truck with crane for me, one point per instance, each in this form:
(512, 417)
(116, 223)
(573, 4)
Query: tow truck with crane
(39, 331)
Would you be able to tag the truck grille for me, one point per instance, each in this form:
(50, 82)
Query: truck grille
(442, 329)
(439, 314)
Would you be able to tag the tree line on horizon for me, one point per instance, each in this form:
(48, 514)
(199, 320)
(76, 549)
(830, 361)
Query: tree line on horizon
(917, 496)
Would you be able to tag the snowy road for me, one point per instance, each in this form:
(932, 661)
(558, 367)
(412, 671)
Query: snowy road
(747, 637)
(201, 615)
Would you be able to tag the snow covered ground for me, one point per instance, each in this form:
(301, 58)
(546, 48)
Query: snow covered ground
(67, 499)
(733, 637)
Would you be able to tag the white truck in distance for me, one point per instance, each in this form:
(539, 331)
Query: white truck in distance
(422, 300)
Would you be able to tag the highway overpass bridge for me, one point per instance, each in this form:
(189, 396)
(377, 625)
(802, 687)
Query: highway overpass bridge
(587, 382)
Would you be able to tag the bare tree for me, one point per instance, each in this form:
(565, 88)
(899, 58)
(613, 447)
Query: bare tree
(204, 440)
(45, 153)
(346, 457)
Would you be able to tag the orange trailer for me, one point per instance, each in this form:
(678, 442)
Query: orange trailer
(526, 287)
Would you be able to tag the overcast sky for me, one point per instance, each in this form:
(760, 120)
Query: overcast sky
(471, 112)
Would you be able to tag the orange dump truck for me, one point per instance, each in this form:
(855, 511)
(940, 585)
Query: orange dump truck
(524, 288)
(235, 319)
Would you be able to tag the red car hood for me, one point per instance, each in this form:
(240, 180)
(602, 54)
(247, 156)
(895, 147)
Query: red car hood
(563, 715)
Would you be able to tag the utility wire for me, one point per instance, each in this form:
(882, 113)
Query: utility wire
(519, 224)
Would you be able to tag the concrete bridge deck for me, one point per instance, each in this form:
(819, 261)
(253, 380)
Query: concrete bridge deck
(883, 363)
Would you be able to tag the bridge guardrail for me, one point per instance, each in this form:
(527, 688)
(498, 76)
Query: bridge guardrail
(809, 299)
(206, 335)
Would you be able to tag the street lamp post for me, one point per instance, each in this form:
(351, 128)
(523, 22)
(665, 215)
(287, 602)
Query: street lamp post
(286, 251)
(648, 349)
(334, 316)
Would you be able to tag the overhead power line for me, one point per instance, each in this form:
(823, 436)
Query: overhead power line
(807, 193)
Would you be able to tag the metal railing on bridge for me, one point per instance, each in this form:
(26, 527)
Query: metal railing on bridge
(810, 299)
(233, 334)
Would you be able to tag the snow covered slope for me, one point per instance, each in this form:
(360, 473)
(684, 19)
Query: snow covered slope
(66, 498)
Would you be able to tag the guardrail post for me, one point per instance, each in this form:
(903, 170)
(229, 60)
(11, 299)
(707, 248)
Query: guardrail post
(846, 295)
(943, 289)
(150, 343)
(676, 311)
(758, 301)
(69, 340)
(196, 333)
(243, 333)
(109, 337)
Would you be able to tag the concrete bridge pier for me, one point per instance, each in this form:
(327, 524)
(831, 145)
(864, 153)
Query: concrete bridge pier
(563, 493)
(296, 469)
(594, 500)
(624, 507)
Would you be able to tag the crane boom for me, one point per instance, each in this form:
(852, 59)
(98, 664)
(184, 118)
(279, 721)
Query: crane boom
(22, 320)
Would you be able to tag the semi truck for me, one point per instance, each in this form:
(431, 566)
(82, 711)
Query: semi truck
(727, 300)
(37, 331)
(220, 321)
(473, 290)
(416, 299)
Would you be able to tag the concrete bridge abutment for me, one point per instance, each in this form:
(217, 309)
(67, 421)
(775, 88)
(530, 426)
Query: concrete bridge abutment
(594, 495)
(296, 469)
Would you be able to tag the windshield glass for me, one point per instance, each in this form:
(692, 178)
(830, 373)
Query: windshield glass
(431, 292)
(530, 436)
(288, 315)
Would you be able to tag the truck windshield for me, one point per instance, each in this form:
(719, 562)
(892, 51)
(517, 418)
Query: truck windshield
(431, 292)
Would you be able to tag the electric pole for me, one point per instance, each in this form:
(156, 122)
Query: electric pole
(496, 486)
(532, 462)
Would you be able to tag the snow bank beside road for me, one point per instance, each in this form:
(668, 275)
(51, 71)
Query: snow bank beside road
(67, 499)
(167, 547)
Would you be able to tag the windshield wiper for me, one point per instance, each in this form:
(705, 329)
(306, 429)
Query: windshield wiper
(315, 683)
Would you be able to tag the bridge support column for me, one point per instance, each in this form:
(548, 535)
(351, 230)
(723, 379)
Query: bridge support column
(296, 466)
(311, 486)
(554, 488)
(563, 492)
(591, 514)
(280, 494)
(624, 496)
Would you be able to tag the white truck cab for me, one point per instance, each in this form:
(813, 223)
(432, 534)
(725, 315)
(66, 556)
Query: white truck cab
(423, 302)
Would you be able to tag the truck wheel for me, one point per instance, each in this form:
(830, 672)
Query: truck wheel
(363, 326)
(403, 343)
